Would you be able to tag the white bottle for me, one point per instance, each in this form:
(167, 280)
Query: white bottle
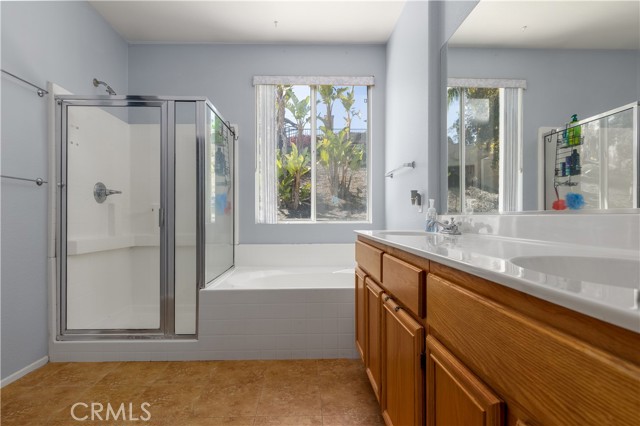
(432, 216)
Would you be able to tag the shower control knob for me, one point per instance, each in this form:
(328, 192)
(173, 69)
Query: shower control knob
(100, 192)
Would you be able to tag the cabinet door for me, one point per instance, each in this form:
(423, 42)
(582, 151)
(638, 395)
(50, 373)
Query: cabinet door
(402, 375)
(455, 397)
(361, 320)
(373, 361)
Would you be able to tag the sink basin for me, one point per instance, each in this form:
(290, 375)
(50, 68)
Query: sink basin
(610, 271)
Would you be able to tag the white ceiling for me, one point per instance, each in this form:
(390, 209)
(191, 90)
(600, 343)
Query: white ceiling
(552, 24)
(241, 21)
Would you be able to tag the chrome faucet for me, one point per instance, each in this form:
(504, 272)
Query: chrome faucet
(446, 227)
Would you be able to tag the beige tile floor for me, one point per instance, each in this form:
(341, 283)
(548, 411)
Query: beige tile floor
(238, 393)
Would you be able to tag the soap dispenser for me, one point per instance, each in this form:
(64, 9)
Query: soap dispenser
(432, 217)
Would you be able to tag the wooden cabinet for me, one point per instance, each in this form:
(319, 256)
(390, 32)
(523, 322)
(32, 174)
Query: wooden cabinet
(361, 320)
(494, 356)
(390, 333)
(544, 375)
(455, 397)
(373, 361)
(402, 376)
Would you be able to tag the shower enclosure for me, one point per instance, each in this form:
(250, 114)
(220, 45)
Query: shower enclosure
(145, 213)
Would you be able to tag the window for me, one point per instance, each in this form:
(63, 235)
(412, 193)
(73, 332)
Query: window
(312, 152)
(484, 168)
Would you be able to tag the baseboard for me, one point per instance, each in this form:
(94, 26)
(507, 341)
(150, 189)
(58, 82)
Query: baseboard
(23, 372)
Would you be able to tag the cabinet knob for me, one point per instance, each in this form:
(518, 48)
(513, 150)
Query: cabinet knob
(397, 308)
(387, 298)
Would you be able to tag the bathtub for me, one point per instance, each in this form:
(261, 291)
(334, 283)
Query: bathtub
(280, 313)
(278, 278)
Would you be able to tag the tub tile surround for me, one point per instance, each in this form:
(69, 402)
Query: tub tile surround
(277, 323)
(296, 393)
(489, 245)
(255, 324)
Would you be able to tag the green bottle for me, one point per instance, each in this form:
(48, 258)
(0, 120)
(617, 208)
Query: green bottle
(574, 133)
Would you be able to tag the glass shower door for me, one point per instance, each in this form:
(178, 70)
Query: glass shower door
(112, 196)
(219, 214)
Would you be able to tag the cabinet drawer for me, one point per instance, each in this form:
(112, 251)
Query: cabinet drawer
(370, 260)
(554, 377)
(405, 282)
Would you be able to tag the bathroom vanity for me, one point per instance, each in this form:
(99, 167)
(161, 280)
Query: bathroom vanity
(450, 336)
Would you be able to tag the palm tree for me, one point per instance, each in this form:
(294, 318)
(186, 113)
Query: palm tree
(328, 95)
(300, 109)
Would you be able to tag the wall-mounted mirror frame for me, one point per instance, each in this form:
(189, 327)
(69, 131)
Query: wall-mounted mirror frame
(608, 67)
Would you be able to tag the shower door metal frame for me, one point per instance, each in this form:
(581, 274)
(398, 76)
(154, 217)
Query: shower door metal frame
(166, 329)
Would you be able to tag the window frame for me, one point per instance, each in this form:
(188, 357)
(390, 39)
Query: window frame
(505, 185)
(313, 83)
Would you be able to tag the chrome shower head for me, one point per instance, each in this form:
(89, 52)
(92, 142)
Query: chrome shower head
(108, 88)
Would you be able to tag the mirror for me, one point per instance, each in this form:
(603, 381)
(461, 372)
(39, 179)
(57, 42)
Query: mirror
(517, 71)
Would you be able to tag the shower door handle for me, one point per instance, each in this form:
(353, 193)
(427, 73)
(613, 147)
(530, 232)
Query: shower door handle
(160, 217)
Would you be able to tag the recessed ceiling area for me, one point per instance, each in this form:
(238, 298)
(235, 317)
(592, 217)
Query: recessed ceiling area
(551, 24)
(239, 21)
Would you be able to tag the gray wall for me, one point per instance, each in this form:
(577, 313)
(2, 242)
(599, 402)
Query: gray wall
(67, 43)
(407, 115)
(224, 74)
(413, 109)
(560, 83)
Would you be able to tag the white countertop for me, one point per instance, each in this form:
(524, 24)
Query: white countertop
(490, 257)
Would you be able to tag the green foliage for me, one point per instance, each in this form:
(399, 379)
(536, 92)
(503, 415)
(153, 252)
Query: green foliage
(328, 95)
(337, 152)
(485, 136)
(300, 109)
(285, 181)
(291, 168)
(305, 192)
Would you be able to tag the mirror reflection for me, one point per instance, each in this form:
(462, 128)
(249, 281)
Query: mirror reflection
(542, 107)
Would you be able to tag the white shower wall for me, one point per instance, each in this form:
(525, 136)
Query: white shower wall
(97, 151)
(113, 248)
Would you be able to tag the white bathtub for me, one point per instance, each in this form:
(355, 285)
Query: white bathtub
(280, 313)
(279, 278)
